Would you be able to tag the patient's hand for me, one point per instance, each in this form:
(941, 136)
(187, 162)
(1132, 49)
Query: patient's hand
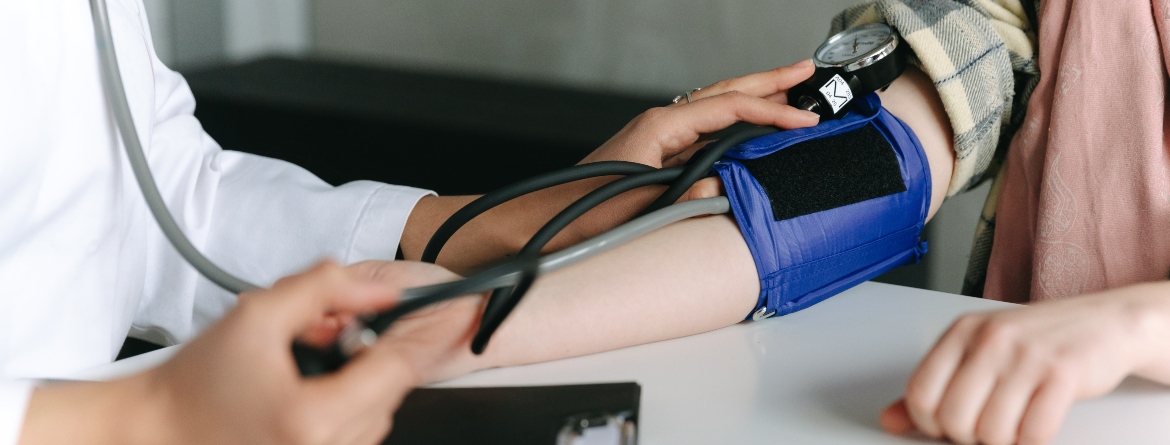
(1010, 376)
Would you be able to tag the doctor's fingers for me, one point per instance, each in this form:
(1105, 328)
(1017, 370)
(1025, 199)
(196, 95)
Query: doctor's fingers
(403, 274)
(325, 330)
(662, 133)
(361, 397)
(297, 303)
(765, 84)
(711, 114)
(929, 382)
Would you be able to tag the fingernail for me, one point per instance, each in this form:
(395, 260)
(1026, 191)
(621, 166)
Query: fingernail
(804, 63)
(810, 115)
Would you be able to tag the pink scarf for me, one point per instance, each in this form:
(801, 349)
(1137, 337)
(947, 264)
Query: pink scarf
(1085, 198)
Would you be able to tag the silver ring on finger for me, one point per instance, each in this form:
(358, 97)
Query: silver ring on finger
(687, 95)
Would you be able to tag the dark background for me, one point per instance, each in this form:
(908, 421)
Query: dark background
(454, 135)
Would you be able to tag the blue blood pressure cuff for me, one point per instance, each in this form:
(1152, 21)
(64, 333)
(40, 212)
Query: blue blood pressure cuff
(827, 207)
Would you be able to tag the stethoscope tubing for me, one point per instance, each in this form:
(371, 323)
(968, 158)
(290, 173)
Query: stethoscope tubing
(120, 109)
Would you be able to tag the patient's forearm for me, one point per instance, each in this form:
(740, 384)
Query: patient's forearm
(691, 277)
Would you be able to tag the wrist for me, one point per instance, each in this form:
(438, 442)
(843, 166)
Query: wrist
(518, 220)
(1149, 317)
(598, 220)
(463, 363)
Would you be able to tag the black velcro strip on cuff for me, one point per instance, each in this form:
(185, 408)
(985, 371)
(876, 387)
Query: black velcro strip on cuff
(827, 173)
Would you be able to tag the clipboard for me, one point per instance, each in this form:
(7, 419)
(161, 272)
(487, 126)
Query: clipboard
(519, 415)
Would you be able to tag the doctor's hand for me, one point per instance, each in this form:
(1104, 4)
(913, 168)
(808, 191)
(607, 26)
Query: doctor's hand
(1011, 376)
(435, 340)
(237, 382)
(668, 136)
(660, 137)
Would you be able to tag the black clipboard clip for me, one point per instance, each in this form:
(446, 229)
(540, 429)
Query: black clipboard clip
(599, 428)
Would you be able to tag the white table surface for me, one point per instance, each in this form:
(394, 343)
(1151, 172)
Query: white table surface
(818, 376)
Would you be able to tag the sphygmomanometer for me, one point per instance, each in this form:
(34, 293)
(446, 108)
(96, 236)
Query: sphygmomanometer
(821, 208)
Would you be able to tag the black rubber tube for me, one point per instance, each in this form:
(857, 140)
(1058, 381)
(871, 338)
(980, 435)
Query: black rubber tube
(512, 191)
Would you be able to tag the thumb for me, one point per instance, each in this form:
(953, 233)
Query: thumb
(895, 419)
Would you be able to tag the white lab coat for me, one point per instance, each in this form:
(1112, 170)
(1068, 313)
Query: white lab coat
(82, 262)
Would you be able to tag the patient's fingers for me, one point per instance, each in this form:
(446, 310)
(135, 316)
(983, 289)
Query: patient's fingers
(768, 84)
(895, 419)
(929, 382)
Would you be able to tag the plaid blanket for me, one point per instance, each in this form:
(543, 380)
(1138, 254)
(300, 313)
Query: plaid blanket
(981, 56)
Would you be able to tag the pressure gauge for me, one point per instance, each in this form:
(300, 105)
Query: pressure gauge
(850, 64)
(857, 47)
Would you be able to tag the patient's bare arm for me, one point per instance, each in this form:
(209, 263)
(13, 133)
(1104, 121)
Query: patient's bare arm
(691, 277)
(914, 99)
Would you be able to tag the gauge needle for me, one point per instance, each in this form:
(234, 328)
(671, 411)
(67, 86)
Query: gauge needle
(855, 45)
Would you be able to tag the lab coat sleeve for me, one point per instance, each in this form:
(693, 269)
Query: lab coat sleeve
(257, 218)
(273, 219)
(14, 395)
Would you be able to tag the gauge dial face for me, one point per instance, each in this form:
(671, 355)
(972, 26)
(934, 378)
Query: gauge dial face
(853, 43)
